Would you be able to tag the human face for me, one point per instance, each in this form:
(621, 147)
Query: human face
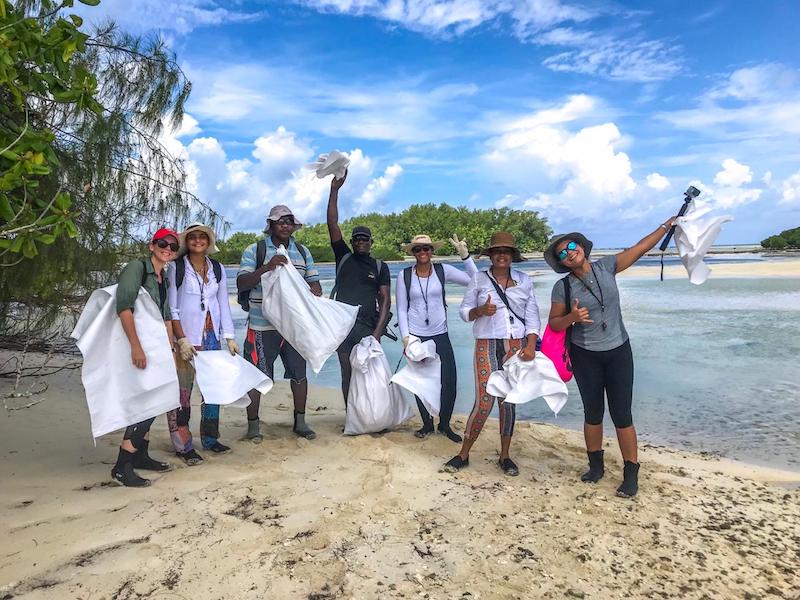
(422, 252)
(501, 257)
(361, 244)
(166, 253)
(283, 228)
(575, 255)
(197, 242)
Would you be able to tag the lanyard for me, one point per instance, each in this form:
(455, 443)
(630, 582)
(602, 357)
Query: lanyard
(200, 282)
(424, 292)
(604, 325)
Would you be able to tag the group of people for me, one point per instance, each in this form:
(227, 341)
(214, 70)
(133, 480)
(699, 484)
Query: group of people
(190, 288)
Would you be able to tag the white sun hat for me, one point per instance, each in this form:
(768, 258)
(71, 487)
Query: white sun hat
(333, 163)
(212, 238)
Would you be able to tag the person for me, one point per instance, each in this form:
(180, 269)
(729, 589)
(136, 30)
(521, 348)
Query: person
(501, 305)
(201, 317)
(600, 350)
(421, 311)
(360, 281)
(149, 274)
(263, 343)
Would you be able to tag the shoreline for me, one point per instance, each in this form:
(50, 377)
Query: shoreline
(370, 516)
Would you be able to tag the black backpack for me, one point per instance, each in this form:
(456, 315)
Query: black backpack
(180, 271)
(438, 268)
(261, 254)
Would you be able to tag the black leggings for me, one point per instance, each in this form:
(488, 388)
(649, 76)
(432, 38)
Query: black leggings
(136, 432)
(609, 373)
(445, 351)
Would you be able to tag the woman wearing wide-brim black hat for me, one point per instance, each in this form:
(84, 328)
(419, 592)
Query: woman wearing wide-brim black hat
(587, 301)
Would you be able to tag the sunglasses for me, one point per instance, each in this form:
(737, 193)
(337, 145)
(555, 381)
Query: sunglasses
(285, 221)
(570, 247)
(360, 238)
(165, 244)
(418, 249)
(501, 250)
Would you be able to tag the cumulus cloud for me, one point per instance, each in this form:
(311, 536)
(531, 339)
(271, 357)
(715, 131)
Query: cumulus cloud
(733, 174)
(379, 187)
(791, 190)
(731, 187)
(657, 182)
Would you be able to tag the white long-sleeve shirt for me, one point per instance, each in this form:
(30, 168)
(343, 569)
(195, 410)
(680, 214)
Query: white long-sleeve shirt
(411, 315)
(521, 297)
(184, 302)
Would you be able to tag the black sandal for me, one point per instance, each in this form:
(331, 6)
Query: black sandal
(454, 465)
(191, 458)
(509, 467)
(423, 432)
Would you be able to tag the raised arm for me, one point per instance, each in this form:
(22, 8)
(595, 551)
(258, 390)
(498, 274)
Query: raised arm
(629, 256)
(334, 231)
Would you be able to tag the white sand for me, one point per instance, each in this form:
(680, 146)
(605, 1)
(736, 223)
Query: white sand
(371, 517)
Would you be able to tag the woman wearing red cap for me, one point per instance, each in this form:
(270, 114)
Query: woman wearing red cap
(149, 274)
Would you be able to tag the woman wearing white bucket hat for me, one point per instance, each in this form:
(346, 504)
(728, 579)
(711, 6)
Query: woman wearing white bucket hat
(422, 312)
(201, 317)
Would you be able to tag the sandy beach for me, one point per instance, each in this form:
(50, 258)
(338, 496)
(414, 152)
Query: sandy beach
(371, 516)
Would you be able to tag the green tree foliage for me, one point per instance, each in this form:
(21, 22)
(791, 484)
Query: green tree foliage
(230, 250)
(789, 238)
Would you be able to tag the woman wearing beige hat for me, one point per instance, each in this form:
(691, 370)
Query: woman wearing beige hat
(201, 318)
(422, 312)
(501, 305)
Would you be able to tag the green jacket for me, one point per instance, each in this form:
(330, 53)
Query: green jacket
(130, 280)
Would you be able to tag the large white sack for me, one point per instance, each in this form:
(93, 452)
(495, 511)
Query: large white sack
(521, 381)
(225, 378)
(422, 375)
(694, 236)
(313, 325)
(333, 163)
(117, 393)
(373, 404)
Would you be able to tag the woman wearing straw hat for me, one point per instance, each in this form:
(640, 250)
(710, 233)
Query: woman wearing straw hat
(201, 315)
(586, 301)
(422, 312)
(501, 305)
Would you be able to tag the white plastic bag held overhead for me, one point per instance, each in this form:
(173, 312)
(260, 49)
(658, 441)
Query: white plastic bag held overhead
(313, 325)
(374, 403)
(225, 378)
(521, 381)
(693, 238)
(118, 393)
(422, 376)
(334, 163)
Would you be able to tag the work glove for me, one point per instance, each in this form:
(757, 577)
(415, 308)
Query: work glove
(233, 347)
(405, 342)
(185, 349)
(460, 246)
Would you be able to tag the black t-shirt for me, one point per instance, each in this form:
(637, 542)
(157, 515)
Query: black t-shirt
(358, 281)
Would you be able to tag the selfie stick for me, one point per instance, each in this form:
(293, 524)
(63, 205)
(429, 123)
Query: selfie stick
(690, 194)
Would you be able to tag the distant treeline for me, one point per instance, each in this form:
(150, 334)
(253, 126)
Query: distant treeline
(784, 240)
(389, 231)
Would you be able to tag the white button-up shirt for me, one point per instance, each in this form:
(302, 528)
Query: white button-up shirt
(184, 302)
(503, 325)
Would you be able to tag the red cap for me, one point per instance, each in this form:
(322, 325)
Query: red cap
(164, 232)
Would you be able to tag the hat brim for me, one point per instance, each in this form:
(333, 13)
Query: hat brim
(550, 253)
(407, 247)
(212, 239)
(516, 255)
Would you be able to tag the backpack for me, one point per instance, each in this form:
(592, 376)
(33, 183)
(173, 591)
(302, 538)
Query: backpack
(438, 268)
(555, 344)
(243, 297)
(378, 262)
(180, 271)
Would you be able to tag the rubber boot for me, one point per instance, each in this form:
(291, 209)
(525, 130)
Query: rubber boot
(123, 471)
(596, 467)
(142, 460)
(630, 480)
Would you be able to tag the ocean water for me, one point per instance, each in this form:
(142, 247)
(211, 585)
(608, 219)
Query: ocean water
(715, 365)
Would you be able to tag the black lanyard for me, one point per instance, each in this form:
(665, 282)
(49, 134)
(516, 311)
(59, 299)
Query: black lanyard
(201, 283)
(424, 292)
(604, 325)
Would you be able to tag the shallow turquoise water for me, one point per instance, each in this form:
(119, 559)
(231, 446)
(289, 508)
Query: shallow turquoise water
(716, 365)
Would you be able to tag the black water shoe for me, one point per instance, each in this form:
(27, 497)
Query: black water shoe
(123, 472)
(142, 460)
(509, 467)
(451, 435)
(596, 467)
(191, 458)
(630, 480)
(424, 432)
(454, 465)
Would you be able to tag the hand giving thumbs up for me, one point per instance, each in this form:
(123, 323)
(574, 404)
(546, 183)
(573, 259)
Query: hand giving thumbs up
(488, 309)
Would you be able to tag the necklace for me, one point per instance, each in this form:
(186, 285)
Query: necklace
(424, 293)
(603, 323)
(201, 283)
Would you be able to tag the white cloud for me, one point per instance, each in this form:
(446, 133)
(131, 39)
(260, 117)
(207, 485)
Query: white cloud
(379, 187)
(791, 190)
(733, 174)
(657, 182)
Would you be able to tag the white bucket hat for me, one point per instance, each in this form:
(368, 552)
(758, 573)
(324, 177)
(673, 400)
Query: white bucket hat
(212, 238)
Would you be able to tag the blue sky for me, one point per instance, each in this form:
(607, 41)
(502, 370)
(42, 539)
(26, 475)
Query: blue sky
(596, 114)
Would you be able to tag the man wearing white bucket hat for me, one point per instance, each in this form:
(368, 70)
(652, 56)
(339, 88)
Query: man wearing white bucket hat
(264, 343)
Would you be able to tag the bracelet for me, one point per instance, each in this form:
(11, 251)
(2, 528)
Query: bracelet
(664, 226)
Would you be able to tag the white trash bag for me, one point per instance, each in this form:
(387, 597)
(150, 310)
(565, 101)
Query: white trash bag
(422, 375)
(334, 163)
(118, 393)
(313, 325)
(521, 381)
(225, 378)
(373, 404)
(694, 236)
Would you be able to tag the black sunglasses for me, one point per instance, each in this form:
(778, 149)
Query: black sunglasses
(418, 249)
(165, 244)
(285, 221)
(361, 238)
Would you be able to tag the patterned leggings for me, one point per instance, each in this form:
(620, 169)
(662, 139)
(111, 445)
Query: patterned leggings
(178, 419)
(489, 357)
